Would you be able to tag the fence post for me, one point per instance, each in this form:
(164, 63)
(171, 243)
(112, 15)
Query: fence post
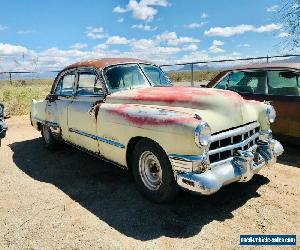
(192, 71)
(10, 78)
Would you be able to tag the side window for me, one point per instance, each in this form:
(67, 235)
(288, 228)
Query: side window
(65, 85)
(245, 82)
(88, 83)
(283, 83)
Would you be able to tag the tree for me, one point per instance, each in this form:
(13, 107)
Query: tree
(290, 19)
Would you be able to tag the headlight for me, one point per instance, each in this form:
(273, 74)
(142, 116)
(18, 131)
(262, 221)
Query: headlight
(271, 114)
(202, 134)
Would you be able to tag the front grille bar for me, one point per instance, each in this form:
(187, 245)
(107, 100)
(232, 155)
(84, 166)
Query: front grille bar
(234, 132)
(224, 143)
(237, 145)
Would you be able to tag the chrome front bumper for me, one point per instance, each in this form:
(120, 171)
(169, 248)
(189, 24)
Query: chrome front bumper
(239, 168)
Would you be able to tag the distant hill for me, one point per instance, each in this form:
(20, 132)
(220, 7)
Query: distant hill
(295, 59)
(187, 67)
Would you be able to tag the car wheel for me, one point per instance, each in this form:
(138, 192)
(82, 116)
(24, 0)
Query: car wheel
(153, 173)
(48, 138)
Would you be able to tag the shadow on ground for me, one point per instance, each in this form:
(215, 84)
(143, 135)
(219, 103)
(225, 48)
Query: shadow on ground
(291, 155)
(110, 194)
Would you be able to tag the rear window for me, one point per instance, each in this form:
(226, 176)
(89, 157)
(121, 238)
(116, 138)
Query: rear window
(283, 83)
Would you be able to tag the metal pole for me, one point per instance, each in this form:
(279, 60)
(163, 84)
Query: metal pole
(192, 71)
(10, 78)
(267, 58)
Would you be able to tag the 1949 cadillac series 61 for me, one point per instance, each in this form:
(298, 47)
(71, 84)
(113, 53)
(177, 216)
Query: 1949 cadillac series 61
(3, 126)
(127, 111)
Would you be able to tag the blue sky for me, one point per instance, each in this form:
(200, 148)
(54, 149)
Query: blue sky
(51, 34)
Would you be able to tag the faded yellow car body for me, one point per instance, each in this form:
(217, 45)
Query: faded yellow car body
(166, 115)
(205, 138)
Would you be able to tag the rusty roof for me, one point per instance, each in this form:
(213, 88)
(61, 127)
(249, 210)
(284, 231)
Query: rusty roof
(284, 65)
(104, 62)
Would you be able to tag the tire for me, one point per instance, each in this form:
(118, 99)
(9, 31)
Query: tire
(152, 172)
(49, 141)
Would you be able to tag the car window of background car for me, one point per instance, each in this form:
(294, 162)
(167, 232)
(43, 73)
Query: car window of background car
(156, 76)
(65, 85)
(88, 84)
(125, 77)
(283, 83)
(244, 82)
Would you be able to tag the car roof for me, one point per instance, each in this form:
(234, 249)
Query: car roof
(104, 62)
(266, 66)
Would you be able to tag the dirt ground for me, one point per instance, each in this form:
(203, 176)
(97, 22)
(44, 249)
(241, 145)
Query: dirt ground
(66, 199)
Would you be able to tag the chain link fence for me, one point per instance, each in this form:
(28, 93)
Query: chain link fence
(186, 73)
(200, 72)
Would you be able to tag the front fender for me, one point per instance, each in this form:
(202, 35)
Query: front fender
(172, 130)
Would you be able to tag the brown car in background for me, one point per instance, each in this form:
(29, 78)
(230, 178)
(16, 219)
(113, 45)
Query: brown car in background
(277, 83)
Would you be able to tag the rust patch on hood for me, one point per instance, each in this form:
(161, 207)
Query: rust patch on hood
(144, 115)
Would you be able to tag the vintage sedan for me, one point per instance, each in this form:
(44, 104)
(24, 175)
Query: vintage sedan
(278, 83)
(127, 111)
(3, 126)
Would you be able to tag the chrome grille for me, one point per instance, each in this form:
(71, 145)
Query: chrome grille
(224, 144)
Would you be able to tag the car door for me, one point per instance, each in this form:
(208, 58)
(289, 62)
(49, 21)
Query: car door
(284, 93)
(82, 114)
(58, 102)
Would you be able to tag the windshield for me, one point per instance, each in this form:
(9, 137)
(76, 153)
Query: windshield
(155, 75)
(122, 77)
(129, 76)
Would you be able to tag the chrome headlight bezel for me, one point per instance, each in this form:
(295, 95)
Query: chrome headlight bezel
(203, 135)
(270, 114)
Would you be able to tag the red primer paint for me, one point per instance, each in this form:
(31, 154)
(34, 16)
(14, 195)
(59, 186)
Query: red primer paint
(147, 119)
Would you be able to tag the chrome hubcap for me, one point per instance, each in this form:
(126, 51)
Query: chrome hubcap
(46, 134)
(150, 170)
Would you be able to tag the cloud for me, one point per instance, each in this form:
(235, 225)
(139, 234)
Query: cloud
(2, 27)
(268, 28)
(273, 8)
(195, 25)
(284, 34)
(204, 16)
(25, 32)
(190, 47)
(119, 9)
(171, 38)
(145, 27)
(10, 49)
(78, 46)
(240, 29)
(120, 20)
(142, 10)
(215, 47)
(101, 46)
(245, 45)
(117, 40)
(95, 32)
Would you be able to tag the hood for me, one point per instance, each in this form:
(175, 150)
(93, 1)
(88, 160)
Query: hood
(222, 109)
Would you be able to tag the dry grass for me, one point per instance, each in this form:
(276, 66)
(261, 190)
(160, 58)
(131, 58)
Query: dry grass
(17, 95)
(186, 76)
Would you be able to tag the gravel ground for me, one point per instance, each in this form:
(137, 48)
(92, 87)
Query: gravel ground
(66, 199)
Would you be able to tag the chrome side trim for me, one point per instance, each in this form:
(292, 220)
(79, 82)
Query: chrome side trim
(50, 124)
(233, 146)
(97, 138)
(181, 163)
(234, 132)
(189, 163)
